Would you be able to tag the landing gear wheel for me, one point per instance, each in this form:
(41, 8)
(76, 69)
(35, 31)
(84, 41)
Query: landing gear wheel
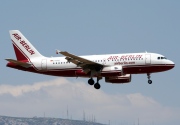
(150, 81)
(91, 81)
(149, 76)
(97, 86)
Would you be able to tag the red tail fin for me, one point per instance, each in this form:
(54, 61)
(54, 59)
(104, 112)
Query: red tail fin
(24, 50)
(19, 54)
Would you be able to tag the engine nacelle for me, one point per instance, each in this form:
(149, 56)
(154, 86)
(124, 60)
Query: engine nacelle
(119, 79)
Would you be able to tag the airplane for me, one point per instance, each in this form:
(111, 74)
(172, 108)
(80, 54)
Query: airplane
(115, 68)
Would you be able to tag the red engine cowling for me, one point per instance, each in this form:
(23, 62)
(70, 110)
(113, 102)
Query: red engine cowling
(119, 79)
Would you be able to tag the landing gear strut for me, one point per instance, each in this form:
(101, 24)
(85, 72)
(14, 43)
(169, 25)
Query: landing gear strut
(149, 76)
(96, 85)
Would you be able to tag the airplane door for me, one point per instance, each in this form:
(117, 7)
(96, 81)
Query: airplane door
(148, 59)
(104, 61)
(44, 64)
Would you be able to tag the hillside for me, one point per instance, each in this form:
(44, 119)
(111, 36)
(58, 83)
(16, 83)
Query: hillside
(5, 120)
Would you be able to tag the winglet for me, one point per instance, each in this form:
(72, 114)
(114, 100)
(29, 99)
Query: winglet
(57, 51)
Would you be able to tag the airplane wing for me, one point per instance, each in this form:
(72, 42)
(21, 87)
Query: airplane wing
(82, 62)
(23, 64)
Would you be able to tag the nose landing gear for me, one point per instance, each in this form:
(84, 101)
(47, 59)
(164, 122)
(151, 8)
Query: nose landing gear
(149, 76)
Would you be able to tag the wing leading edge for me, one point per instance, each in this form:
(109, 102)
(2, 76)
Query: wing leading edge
(81, 62)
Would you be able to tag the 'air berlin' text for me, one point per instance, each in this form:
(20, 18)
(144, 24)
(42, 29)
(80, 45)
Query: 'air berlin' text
(24, 44)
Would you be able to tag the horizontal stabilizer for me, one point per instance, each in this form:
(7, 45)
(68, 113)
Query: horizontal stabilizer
(20, 63)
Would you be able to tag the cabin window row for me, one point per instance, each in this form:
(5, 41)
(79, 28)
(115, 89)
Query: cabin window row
(60, 62)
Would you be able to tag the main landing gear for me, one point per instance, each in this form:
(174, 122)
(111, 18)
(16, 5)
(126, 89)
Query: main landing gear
(149, 76)
(96, 85)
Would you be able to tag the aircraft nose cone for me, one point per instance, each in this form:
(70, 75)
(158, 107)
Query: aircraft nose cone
(172, 64)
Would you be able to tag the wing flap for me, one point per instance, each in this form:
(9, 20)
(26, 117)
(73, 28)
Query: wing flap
(74, 57)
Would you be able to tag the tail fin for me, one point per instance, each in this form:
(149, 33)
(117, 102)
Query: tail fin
(24, 50)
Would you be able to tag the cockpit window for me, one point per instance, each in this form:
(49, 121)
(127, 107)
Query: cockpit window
(161, 58)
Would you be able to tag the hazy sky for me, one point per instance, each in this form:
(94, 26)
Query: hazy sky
(85, 28)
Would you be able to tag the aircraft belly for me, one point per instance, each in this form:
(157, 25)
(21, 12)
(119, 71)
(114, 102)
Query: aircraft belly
(144, 69)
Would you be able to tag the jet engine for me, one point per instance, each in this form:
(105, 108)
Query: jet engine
(119, 79)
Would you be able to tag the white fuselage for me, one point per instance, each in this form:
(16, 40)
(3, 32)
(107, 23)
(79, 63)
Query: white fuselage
(133, 60)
